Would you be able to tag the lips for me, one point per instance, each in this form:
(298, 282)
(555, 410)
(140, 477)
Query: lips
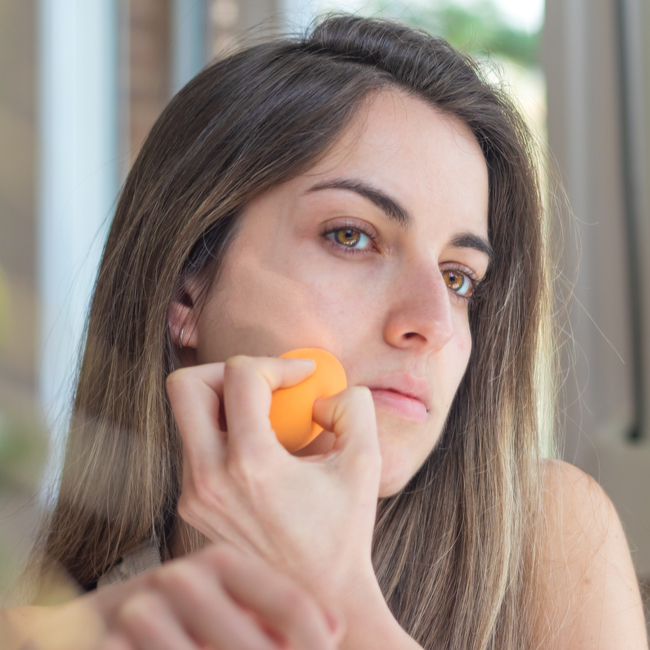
(406, 385)
(404, 395)
(399, 404)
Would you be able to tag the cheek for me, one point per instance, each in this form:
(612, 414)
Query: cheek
(458, 353)
(463, 350)
(259, 312)
(459, 348)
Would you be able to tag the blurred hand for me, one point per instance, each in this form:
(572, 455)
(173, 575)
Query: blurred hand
(218, 599)
(311, 517)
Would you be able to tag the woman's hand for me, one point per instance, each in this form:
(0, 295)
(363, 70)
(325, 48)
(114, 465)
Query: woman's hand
(312, 517)
(217, 599)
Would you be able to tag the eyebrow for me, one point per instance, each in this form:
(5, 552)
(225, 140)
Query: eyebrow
(397, 213)
(468, 240)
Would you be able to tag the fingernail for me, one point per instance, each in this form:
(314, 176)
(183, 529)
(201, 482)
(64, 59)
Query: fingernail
(306, 363)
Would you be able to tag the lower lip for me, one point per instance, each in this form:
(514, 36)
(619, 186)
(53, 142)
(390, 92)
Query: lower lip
(406, 407)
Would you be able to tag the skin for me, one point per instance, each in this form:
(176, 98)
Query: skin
(590, 596)
(388, 309)
(290, 565)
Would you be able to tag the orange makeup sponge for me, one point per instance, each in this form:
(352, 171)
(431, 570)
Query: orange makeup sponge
(291, 408)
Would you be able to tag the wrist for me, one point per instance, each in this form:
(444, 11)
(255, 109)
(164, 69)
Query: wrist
(369, 622)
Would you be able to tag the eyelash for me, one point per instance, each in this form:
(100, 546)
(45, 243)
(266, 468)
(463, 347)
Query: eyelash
(355, 228)
(376, 241)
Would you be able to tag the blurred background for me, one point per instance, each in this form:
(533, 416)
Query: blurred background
(82, 81)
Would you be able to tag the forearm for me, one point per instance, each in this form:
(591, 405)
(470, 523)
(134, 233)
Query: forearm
(73, 626)
(20, 625)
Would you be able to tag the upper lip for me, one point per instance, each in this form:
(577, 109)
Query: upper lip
(407, 385)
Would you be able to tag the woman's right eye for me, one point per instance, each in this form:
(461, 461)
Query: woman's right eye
(347, 237)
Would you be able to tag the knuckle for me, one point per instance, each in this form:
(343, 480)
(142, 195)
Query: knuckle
(238, 362)
(222, 556)
(204, 485)
(178, 380)
(251, 477)
(297, 606)
(141, 609)
(203, 493)
(204, 488)
(188, 511)
(243, 470)
(173, 378)
(177, 578)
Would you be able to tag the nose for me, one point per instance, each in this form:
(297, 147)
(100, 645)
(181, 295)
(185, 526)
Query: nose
(419, 311)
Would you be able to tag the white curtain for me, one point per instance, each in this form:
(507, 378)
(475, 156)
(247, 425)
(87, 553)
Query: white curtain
(78, 184)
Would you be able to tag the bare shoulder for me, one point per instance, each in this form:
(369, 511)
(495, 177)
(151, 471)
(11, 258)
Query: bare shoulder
(590, 596)
(576, 504)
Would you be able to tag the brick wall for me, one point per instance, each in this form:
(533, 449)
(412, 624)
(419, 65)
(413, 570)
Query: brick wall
(147, 40)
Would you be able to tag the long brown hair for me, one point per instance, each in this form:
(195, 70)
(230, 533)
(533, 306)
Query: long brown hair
(454, 551)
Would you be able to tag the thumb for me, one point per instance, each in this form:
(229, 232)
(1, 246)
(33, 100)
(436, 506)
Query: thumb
(350, 416)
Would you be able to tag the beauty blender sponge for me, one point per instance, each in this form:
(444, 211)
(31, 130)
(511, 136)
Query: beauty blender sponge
(291, 408)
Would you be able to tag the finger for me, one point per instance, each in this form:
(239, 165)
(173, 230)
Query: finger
(282, 604)
(209, 613)
(248, 385)
(350, 415)
(115, 642)
(151, 625)
(194, 397)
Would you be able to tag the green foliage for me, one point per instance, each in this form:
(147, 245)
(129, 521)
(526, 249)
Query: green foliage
(4, 308)
(479, 29)
(23, 451)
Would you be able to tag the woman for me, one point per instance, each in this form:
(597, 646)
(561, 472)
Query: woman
(363, 191)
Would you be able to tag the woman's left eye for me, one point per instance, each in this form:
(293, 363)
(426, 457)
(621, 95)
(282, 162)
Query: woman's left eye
(460, 283)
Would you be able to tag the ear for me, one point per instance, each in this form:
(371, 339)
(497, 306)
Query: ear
(183, 317)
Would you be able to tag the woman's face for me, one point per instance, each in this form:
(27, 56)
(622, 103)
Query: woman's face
(372, 255)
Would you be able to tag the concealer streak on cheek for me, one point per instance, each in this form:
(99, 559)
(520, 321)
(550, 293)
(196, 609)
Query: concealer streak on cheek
(269, 312)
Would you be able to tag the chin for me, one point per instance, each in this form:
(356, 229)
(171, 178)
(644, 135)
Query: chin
(400, 458)
(391, 487)
(394, 477)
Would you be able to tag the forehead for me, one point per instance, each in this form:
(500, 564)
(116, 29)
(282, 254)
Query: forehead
(429, 160)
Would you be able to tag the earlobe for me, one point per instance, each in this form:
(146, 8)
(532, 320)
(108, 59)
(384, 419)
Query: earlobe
(182, 325)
